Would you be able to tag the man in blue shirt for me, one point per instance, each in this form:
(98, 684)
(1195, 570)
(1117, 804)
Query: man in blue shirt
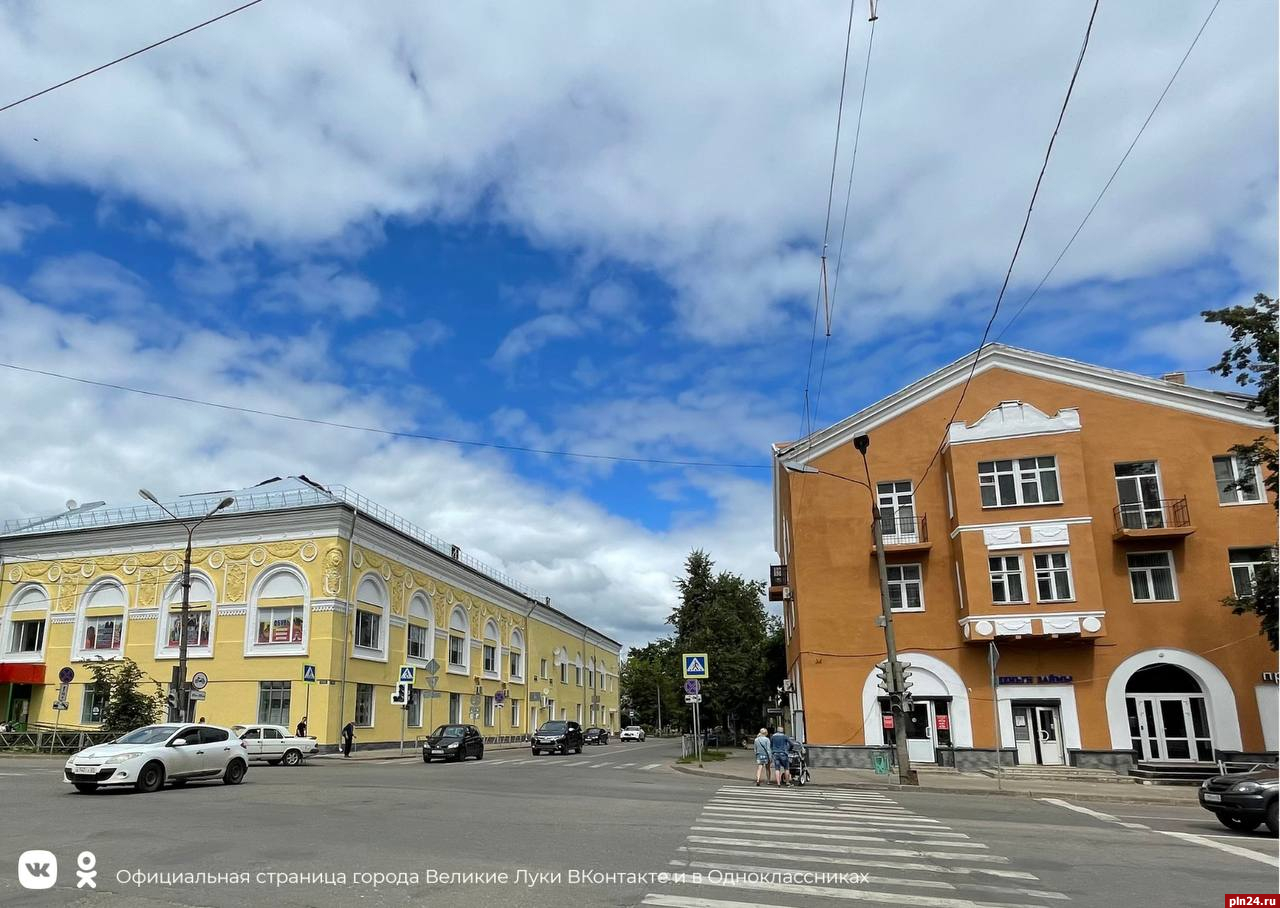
(780, 743)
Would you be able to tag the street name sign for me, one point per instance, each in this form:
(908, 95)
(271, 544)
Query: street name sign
(695, 665)
(196, 695)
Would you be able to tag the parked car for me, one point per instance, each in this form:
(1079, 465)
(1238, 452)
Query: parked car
(274, 744)
(148, 757)
(595, 735)
(560, 735)
(1242, 800)
(632, 733)
(453, 742)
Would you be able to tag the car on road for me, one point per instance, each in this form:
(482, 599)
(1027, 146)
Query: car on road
(595, 735)
(148, 757)
(632, 733)
(453, 742)
(1243, 800)
(557, 736)
(274, 744)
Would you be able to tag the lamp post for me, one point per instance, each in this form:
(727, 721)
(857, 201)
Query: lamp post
(178, 711)
(906, 775)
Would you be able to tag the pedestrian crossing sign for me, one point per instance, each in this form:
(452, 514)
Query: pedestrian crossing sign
(309, 673)
(406, 674)
(695, 665)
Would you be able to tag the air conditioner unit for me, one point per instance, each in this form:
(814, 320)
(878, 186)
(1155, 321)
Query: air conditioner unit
(786, 594)
(788, 687)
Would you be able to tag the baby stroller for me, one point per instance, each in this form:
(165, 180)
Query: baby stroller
(799, 767)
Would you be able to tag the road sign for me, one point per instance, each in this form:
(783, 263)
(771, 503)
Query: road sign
(432, 681)
(406, 674)
(432, 667)
(309, 674)
(475, 714)
(66, 675)
(63, 690)
(196, 695)
(693, 698)
(476, 700)
(695, 665)
(499, 697)
(199, 680)
(60, 704)
(430, 694)
(693, 686)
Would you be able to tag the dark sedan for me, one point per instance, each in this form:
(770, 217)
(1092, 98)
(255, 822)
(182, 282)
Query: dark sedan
(595, 736)
(1242, 800)
(453, 742)
(561, 736)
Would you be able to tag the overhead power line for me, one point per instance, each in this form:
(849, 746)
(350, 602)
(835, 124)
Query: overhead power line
(391, 433)
(1026, 222)
(128, 56)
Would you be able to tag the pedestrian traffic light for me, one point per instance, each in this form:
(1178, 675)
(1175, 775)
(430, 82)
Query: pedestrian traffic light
(402, 694)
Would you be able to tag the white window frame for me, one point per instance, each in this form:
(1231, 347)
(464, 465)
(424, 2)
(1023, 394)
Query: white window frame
(292, 648)
(515, 713)
(1020, 474)
(425, 654)
(276, 687)
(489, 712)
(489, 640)
(422, 616)
(413, 714)
(901, 582)
(367, 619)
(459, 615)
(21, 608)
(171, 608)
(1173, 575)
(542, 669)
(373, 705)
(87, 697)
(81, 653)
(1003, 575)
(1249, 565)
(515, 656)
(564, 672)
(381, 612)
(1050, 571)
(1238, 465)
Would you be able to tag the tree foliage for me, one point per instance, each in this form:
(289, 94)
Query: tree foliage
(125, 702)
(1251, 361)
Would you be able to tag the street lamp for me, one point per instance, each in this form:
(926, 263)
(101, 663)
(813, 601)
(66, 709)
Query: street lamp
(906, 775)
(178, 711)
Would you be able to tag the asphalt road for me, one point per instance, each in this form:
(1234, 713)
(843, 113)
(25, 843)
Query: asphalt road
(615, 809)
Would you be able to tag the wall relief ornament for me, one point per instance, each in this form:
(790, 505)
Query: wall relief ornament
(237, 575)
(308, 552)
(216, 559)
(150, 579)
(55, 572)
(129, 566)
(171, 562)
(258, 556)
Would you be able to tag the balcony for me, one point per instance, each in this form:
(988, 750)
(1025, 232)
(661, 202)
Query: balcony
(1167, 518)
(1037, 625)
(903, 531)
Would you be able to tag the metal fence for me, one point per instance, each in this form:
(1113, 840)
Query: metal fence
(47, 741)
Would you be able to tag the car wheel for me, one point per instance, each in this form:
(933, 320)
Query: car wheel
(151, 778)
(86, 787)
(426, 759)
(480, 754)
(235, 773)
(1271, 818)
(1239, 824)
(536, 752)
(578, 749)
(292, 757)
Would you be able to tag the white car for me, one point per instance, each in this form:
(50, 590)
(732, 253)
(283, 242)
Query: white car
(148, 757)
(274, 744)
(632, 733)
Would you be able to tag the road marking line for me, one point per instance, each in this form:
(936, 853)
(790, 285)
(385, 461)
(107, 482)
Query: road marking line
(599, 765)
(12, 773)
(651, 766)
(805, 813)
(775, 833)
(624, 765)
(835, 827)
(859, 895)
(578, 763)
(799, 793)
(1268, 859)
(812, 805)
(886, 836)
(845, 849)
(863, 862)
(1097, 815)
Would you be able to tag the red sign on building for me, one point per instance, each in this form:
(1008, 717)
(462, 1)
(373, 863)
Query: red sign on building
(887, 718)
(943, 723)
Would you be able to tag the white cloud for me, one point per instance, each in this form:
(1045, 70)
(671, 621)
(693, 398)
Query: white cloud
(17, 222)
(395, 348)
(531, 336)
(1191, 343)
(315, 288)
(88, 278)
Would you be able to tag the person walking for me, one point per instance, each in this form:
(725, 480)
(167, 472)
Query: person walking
(780, 744)
(348, 735)
(763, 756)
(302, 728)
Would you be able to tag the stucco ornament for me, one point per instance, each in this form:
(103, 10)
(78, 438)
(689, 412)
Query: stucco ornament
(130, 566)
(55, 572)
(217, 559)
(258, 556)
(237, 574)
(309, 552)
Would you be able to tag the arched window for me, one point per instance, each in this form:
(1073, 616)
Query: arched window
(201, 617)
(577, 669)
(516, 654)
(459, 642)
(419, 639)
(371, 619)
(591, 673)
(561, 658)
(99, 630)
(489, 650)
(279, 608)
(24, 625)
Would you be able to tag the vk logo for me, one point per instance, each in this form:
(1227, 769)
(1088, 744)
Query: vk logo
(37, 869)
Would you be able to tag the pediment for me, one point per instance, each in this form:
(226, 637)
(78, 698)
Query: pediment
(1014, 418)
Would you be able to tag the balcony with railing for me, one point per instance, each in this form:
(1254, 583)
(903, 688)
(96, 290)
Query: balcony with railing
(1165, 518)
(903, 531)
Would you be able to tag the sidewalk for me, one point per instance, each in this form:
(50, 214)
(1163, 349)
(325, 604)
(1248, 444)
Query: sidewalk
(742, 770)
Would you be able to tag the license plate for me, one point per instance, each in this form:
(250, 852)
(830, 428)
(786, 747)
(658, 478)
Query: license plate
(437, 751)
(1212, 798)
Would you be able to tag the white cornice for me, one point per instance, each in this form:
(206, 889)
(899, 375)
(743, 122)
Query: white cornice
(975, 527)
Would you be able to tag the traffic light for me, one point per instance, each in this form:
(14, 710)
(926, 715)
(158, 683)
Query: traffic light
(904, 676)
(885, 682)
(402, 695)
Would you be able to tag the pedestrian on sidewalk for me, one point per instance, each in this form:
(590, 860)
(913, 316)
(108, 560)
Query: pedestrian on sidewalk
(302, 728)
(780, 743)
(348, 735)
(763, 756)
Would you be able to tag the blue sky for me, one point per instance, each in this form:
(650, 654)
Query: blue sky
(586, 229)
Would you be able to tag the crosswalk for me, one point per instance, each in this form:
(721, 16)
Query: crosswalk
(774, 848)
(595, 763)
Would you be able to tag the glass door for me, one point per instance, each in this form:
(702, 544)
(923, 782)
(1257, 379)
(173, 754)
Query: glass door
(920, 733)
(897, 512)
(1049, 739)
(1138, 485)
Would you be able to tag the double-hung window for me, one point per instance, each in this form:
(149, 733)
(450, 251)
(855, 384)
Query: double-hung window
(457, 651)
(897, 512)
(418, 641)
(1053, 577)
(1024, 480)
(490, 653)
(906, 590)
(1151, 576)
(368, 629)
(564, 673)
(364, 705)
(273, 702)
(490, 712)
(1244, 567)
(1237, 480)
(1006, 579)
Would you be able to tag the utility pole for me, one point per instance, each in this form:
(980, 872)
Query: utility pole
(658, 682)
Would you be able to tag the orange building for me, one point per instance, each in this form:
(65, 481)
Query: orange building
(1076, 523)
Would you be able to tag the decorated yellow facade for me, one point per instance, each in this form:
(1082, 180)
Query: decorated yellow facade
(292, 580)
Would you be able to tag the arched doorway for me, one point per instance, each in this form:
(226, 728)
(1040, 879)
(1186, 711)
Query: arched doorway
(1168, 716)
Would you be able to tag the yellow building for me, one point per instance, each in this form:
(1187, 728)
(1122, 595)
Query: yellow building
(292, 579)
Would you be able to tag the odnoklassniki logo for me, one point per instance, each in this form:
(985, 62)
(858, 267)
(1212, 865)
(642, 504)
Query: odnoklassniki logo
(37, 869)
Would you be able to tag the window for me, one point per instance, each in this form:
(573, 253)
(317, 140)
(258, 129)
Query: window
(591, 678)
(197, 629)
(368, 630)
(1138, 487)
(564, 673)
(906, 592)
(27, 636)
(489, 650)
(414, 719)
(277, 621)
(456, 654)
(1026, 480)
(490, 659)
(279, 625)
(455, 708)
(577, 675)
(200, 619)
(490, 712)
(1006, 579)
(273, 702)
(418, 642)
(897, 511)
(1244, 565)
(1151, 576)
(364, 705)
(515, 713)
(102, 634)
(90, 706)
(542, 669)
(1237, 480)
(1053, 577)
(458, 640)
(515, 656)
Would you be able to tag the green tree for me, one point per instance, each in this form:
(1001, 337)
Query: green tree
(1251, 361)
(121, 689)
(649, 672)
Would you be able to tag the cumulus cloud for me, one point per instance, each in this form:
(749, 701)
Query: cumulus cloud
(395, 348)
(17, 222)
(88, 278)
(319, 289)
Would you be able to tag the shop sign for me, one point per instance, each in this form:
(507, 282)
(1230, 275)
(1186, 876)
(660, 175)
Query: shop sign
(1273, 677)
(943, 723)
(887, 719)
(1035, 679)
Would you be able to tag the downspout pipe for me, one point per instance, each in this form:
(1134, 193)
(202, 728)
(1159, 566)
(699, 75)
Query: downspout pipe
(346, 623)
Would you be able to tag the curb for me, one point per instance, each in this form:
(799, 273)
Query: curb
(939, 789)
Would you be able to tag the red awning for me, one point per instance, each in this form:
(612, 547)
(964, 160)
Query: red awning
(21, 673)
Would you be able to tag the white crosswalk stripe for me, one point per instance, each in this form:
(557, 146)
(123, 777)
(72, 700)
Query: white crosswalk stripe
(757, 848)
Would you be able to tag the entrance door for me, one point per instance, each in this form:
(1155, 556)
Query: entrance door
(1048, 736)
(1138, 485)
(1171, 728)
(897, 512)
(920, 733)
(1037, 734)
